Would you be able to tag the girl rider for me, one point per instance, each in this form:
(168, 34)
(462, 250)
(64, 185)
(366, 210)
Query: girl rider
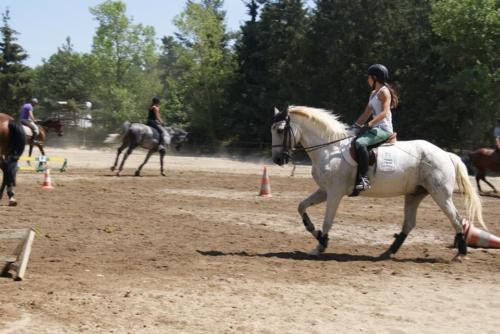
(155, 121)
(382, 99)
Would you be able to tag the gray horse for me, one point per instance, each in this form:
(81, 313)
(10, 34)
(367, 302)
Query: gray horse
(137, 134)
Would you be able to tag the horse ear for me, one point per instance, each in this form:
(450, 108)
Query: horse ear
(276, 111)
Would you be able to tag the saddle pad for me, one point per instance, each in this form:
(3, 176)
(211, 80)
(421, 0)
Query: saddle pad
(27, 131)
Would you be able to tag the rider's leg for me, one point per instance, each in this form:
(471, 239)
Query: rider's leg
(158, 127)
(361, 143)
(363, 181)
(369, 138)
(36, 132)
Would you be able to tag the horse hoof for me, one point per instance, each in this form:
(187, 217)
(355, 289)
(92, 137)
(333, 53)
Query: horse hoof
(385, 255)
(163, 174)
(459, 258)
(12, 203)
(112, 168)
(137, 173)
(118, 174)
(316, 251)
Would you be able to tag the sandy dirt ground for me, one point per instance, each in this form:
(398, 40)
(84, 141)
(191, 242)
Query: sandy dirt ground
(198, 252)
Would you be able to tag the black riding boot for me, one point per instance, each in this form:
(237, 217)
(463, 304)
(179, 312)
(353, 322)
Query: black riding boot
(363, 181)
(34, 139)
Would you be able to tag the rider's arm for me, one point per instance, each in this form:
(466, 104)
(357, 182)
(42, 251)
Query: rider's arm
(385, 98)
(364, 116)
(157, 114)
(30, 115)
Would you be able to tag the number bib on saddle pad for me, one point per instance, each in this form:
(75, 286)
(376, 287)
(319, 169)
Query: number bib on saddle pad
(387, 159)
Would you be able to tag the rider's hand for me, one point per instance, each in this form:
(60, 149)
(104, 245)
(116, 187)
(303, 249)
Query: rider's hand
(358, 130)
(355, 128)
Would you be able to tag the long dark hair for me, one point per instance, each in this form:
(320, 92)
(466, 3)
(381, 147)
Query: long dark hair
(394, 95)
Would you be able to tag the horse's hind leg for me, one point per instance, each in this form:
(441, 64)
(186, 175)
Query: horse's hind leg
(119, 151)
(138, 171)
(443, 198)
(412, 201)
(492, 186)
(125, 156)
(319, 196)
(480, 176)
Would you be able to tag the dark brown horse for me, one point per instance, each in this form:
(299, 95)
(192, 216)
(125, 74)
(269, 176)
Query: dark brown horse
(12, 142)
(44, 126)
(484, 159)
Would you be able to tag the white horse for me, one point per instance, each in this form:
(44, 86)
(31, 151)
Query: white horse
(413, 169)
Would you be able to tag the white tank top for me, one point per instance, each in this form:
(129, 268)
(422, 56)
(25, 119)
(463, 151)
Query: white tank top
(376, 105)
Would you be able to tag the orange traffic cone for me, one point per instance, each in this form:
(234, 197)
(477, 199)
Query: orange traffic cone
(47, 183)
(478, 238)
(265, 186)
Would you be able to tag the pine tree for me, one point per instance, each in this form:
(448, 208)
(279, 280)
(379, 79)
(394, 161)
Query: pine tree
(14, 76)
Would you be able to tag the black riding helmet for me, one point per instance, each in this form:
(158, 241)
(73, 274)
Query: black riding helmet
(379, 72)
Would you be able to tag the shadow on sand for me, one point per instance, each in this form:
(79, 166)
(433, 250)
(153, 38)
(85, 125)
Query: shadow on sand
(339, 257)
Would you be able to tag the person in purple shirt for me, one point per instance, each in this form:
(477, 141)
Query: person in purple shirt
(28, 119)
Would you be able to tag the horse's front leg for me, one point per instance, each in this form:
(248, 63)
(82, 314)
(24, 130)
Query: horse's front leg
(2, 187)
(138, 171)
(40, 147)
(162, 155)
(10, 193)
(332, 204)
(319, 196)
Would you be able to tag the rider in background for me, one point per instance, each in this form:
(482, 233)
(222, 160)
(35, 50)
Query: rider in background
(496, 134)
(155, 121)
(382, 99)
(28, 118)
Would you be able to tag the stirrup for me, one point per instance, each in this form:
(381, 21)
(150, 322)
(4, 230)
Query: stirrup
(363, 184)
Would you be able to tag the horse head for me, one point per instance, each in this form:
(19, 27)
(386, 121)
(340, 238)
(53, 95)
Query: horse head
(283, 137)
(179, 136)
(54, 123)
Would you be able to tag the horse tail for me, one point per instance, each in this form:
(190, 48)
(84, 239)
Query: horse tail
(17, 139)
(113, 138)
(472, 200)
(17, 142)
(126, 126)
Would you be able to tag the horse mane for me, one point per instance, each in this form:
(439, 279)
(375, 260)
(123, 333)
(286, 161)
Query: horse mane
(320, 121)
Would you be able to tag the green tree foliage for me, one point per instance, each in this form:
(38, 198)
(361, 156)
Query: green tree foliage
(14, 76)
(270, 55)
(125, 58)
(198, 68)
(442, 54)
(468, 80)
(346, 37)
(66, 75)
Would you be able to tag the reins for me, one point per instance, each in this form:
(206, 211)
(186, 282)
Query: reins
(289, 133)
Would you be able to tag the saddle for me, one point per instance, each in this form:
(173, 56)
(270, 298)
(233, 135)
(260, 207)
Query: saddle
(156, 134)
(372, 150)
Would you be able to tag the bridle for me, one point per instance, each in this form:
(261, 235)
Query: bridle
(289, 146)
